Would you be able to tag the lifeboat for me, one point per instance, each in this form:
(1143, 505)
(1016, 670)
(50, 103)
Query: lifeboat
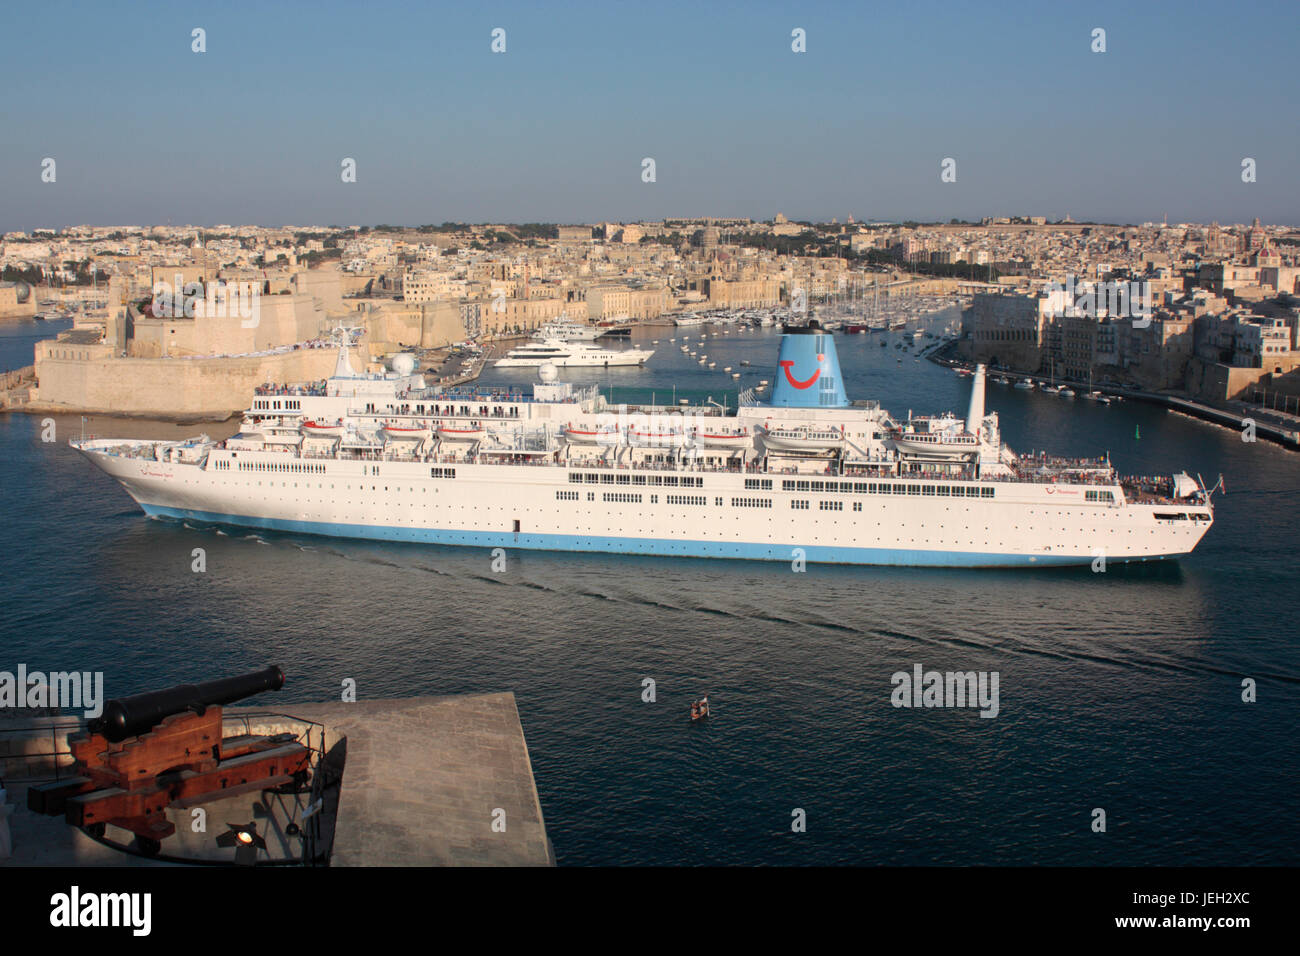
(466, 433)
(417, 432)
(604, 435)
(720, 439)
(657, 437)
(802, 438)
(939, 445)
(321, 430)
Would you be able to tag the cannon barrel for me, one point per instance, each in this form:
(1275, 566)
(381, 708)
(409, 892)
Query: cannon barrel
(133, 716)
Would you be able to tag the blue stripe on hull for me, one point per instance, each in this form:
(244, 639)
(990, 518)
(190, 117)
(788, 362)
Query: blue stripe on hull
(816, 554)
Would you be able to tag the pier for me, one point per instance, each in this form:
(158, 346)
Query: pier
(1268, 423)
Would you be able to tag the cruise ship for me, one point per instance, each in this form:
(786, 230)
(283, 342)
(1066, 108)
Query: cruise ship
(566, 354)
(806, 475)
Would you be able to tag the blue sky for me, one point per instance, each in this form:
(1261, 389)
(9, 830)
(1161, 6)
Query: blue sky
(254, 130)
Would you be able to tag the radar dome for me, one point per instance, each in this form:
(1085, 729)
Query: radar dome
(404, 363)
(548, 372)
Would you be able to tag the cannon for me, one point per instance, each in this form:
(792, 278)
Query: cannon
(133, 716)
(154, 751)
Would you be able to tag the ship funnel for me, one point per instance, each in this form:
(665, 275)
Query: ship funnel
(808, 370)
(975, 414)
(343, 367)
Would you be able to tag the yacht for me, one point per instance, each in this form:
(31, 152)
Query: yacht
(570, 354)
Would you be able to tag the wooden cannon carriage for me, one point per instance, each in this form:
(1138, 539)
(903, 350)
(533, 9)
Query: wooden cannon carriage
(165, 749)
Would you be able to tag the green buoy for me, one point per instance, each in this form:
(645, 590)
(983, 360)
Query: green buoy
(1137, 433)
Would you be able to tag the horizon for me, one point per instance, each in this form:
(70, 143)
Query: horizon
(450, 225)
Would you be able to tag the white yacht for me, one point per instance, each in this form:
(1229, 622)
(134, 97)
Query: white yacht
(563, 354)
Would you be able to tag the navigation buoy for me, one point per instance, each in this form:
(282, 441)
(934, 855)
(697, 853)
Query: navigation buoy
(1137, 432)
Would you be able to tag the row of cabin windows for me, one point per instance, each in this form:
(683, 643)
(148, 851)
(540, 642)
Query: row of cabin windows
(1098, 496)
(286, 404)
(288, 467)
(891, 488)
(594, 478)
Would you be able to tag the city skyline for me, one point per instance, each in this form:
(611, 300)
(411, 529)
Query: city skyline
(556, 128)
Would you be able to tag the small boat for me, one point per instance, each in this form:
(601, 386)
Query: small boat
(321, 430)
(452, 433)
(1066, 393)
(406, 432)
(671, 437)
(803, 438)
(700, 709)
(608, 434)
(733, 438)
(1025, 385)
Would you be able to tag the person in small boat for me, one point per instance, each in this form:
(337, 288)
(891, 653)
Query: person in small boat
(695, 710)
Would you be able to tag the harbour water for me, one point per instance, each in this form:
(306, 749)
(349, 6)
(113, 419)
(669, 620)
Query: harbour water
(1119, 690)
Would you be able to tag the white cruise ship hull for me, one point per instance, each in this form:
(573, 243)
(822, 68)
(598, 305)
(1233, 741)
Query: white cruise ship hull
(583, 508)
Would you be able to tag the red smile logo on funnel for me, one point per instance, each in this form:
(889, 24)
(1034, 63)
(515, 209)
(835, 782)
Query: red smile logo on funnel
(788, 364)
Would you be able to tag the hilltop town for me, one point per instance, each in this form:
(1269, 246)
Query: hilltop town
(184, 321)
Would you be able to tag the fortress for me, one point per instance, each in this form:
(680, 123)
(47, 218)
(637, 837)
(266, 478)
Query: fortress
(204, 366)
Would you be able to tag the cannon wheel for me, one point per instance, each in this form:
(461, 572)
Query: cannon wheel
(147, 845)
(96, 831)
